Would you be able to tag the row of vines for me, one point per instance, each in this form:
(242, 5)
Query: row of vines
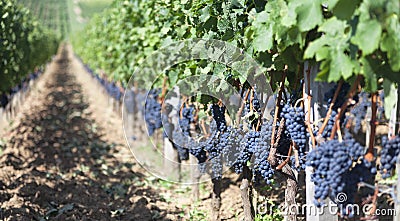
(52, 14)
(352, 46)
(24, 45)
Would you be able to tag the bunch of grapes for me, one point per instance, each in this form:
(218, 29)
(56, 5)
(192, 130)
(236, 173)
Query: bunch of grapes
(230, 144)
(197, 149)
(361, 172)
(251, 142)
(389, 153)
(214, 154)
(359, 111)
(218, 113)
(217, 141)
(294, 123)
(261, 153)
(152, 112)
(331, 160)
(187, 118)
(247, 108)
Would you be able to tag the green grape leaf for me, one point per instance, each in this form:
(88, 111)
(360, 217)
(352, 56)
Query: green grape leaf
(367, 36)
(333, 27)
(390, 42)
(289, 14)
(264, 39)
(309, 15)
(341, 66)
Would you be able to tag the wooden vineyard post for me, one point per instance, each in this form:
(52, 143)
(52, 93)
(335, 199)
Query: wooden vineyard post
(394, 115)
(394, 130)
(171, 165)
(171, 159)
(194, 172)
(317, 91)
(244, 189)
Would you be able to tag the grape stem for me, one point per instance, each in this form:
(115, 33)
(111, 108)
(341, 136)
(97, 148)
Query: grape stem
(343, 108)
(278, 103)
(370, 153)
(164, 89)
(328, 114)
(239, 113)
(298, 101)
(272, 154)
(259, 120)
(339, 132)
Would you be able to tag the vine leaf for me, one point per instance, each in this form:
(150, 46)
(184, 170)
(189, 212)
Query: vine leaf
(373, 30)
(391, 42)
(341, 66)
(263, 29)
(309, 15)
(263, 40)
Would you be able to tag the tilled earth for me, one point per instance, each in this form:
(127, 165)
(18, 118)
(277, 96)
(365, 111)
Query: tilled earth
(59, 163)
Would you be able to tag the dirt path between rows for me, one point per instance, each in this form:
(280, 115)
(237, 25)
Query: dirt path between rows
(66, 159)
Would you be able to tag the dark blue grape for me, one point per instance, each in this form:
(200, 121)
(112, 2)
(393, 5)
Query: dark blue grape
(261, 152)
(389, 153)
(152, 114)
(294, 123)
(332, 161)
(251, 141)
(214, 153)
(197, 149)
(218, 113)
